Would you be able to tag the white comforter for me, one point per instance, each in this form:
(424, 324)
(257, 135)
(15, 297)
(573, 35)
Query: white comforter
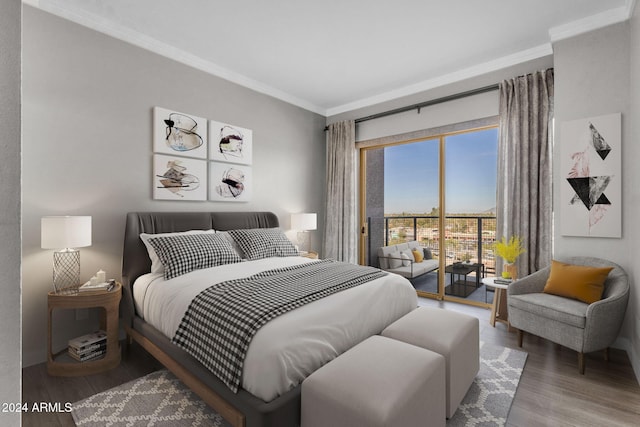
(289, 348)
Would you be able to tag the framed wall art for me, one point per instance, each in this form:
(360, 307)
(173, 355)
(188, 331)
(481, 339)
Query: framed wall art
(179, 178)
(591, 177)
(230, 143)
(230, 182)
(179, 134)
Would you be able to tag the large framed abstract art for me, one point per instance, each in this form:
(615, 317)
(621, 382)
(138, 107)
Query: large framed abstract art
(591, 177)
(195, 159)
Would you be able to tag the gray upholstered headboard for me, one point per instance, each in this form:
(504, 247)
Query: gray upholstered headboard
(135, 260)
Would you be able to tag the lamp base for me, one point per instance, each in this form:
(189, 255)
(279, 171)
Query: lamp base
(304, 237)
(66, 269)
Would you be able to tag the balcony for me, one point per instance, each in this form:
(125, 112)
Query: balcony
(467, 238)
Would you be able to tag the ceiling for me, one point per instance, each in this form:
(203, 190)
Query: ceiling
(333, 56)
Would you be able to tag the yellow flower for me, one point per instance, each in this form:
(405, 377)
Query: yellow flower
(510, 250)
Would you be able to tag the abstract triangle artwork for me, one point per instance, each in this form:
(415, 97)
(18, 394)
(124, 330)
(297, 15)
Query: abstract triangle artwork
(591, 172)
(599, 143)
(590, 190)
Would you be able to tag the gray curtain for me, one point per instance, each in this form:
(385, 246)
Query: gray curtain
(524, 199)
(340, 230)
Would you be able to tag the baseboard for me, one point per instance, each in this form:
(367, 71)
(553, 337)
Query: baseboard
(626, 345)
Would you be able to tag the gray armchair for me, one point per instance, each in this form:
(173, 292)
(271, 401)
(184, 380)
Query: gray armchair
(571, 323)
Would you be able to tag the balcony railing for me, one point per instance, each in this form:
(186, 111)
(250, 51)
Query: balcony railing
(467, 237)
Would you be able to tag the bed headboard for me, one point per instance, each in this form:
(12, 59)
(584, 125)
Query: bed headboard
(135, 260)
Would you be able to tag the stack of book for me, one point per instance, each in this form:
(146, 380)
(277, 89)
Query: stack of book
(502, 281)
(88, 347)
(97, 286)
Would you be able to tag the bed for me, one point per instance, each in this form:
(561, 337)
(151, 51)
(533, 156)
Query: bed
(283, 352)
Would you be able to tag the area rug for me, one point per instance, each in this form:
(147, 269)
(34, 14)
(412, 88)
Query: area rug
(158, 399)
(161, 400)
(488, 401)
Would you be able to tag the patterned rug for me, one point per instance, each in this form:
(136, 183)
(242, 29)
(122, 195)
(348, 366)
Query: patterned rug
(489, 399)
(161, 400)
(156, 400)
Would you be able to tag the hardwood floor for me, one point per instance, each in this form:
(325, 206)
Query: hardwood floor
(551, 391)
(38, 386)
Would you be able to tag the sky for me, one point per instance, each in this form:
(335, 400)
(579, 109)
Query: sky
(411, 174)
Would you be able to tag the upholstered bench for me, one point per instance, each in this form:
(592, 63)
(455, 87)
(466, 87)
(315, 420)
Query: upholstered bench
(379, 382)
(453, 335)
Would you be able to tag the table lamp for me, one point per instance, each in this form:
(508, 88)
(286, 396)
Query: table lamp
(304, 222)
(65, 233)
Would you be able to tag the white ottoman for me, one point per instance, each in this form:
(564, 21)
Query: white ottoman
(379, 382)
(456, 336)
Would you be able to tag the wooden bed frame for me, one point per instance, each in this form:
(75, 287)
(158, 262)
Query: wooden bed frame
(239, 409)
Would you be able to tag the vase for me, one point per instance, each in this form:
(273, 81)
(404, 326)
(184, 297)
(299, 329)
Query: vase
(511, 270)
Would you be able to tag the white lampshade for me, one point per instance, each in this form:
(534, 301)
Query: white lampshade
(58, 232)
(303, 221)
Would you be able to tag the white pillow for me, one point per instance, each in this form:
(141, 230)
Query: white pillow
(408, 256)
(395, 260)
(156, 265)
(405, 259)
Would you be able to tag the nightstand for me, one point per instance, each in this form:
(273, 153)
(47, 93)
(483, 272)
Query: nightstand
(61, 364)
(312, 255)
(499, 311)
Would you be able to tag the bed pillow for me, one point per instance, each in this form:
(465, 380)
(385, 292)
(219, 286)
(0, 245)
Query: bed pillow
(180, 254)
(579, 282)
(156, 265)
(234, 244)
(258, 243)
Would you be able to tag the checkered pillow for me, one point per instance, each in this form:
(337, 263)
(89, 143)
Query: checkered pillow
(181, 254)
(156, 265)
(260, 243)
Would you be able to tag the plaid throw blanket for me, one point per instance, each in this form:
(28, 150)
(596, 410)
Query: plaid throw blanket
(221, 321)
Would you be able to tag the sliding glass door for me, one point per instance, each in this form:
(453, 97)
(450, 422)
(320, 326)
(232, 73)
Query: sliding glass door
(405, 188)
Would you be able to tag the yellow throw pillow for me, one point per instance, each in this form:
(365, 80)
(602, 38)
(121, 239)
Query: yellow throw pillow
(417, 255)
(577, 281)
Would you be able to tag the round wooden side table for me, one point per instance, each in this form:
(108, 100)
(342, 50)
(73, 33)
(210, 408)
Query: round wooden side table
(499, 311)
(61, 364)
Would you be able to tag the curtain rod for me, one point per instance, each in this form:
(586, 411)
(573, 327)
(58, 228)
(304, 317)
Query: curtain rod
(427, 103)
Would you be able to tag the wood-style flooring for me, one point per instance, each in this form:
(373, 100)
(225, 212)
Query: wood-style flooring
(551, 391)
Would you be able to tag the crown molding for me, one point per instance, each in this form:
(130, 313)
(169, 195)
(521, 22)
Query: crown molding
(456, 76)
(135, 38)
(143, 41)
(630, 7)
(593, 22)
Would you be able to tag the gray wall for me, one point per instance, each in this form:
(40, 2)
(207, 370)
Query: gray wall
(87, 114)
(10, 21)
(593, 78)
(632, 147)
